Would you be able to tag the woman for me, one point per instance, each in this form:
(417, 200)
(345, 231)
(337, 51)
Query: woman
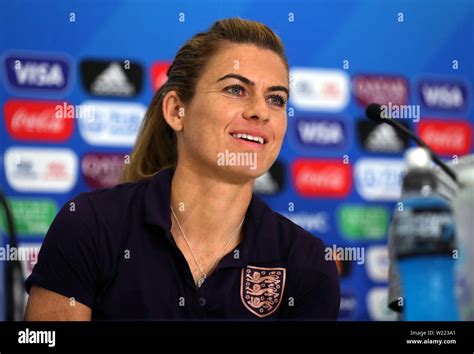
(185, 237)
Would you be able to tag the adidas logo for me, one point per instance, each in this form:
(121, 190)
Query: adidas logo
(384, 138)
(112, 81)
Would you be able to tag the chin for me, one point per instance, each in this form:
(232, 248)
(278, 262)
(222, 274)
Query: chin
(242, 174)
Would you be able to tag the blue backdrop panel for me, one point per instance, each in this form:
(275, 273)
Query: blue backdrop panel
(338, 176)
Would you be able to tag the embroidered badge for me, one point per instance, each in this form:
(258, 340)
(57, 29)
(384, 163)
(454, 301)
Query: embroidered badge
(261, 289)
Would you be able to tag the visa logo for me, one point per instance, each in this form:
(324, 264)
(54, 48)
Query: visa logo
(438, 95)
(40, 74)
(37, 73)
(320, 133)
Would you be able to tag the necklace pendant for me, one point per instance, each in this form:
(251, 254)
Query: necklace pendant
(201, 281)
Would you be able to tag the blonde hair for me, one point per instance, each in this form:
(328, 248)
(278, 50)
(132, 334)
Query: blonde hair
(156, 147)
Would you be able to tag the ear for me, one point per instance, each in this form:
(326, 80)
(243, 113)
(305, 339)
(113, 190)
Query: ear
(173, 110)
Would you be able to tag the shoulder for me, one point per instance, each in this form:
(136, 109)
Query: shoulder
(120, 195)
(98, 217)
(92, 227)
(88, 215)
(109, 206)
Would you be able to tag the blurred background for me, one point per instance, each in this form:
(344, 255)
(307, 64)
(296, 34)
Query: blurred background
(338, 175)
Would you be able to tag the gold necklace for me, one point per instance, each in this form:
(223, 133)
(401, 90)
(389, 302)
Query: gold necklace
(203, 274)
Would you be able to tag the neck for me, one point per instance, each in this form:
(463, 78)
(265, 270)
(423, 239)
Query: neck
(209, 209)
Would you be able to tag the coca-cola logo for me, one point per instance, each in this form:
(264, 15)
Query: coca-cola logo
(322, 178)
(446, 137)
(36, 121)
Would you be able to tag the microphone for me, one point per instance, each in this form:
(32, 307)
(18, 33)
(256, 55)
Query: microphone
(373, 112)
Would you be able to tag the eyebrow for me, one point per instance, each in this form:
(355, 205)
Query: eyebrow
(250, 82)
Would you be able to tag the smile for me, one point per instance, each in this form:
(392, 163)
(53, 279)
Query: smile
(257, 139)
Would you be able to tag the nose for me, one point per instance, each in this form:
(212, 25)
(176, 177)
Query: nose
(257, 109)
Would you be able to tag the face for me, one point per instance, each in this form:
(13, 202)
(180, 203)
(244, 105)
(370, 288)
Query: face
(235, 124)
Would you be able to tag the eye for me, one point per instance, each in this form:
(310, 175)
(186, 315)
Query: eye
(234, 89)
(278, 100)
(237, 90)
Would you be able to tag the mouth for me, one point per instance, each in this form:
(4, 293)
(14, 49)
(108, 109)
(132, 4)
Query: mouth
(254, 139)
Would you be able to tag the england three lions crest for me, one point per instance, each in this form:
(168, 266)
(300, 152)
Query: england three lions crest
(261, 289)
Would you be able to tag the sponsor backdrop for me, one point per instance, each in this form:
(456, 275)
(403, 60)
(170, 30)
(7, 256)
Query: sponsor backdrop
(76, 78)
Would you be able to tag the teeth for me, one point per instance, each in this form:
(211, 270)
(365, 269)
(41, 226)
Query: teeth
(257, 139)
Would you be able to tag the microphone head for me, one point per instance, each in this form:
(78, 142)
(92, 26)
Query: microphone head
(373, 112)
